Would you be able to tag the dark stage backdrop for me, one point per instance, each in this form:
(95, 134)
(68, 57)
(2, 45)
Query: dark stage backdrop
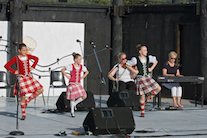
(97, 28)
(161, 27)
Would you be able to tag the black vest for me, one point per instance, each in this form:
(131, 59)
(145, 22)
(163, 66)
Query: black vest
(141, 67)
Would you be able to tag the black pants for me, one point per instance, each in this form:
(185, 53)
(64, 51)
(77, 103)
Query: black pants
(130, 86)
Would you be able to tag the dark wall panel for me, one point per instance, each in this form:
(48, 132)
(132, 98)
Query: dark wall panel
(3, 11)
(156, 27)
(97, 28)
(157, 31)
(190, 55)
(152, 25)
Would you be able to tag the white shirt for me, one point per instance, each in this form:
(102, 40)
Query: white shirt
(70, 68)
(23, 58)
(123, 74)
(133, 60)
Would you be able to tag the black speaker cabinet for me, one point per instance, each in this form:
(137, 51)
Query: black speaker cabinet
(63, 104)
(114, 120)
(87, 104)
(124, 99)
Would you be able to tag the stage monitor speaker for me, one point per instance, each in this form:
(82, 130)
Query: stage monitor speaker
(87, 104)
(124, 99)
(63, 104)
(113, 120)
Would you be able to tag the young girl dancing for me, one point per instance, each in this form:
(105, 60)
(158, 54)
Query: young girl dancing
(74, 89)
(146, 85)
(27, 83)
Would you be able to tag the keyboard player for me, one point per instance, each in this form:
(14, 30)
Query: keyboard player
(170, 68)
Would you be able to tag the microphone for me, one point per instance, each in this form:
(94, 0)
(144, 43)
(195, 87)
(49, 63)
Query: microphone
(0, 37)
(92, 43)
(78, 41)
(107, 46)
(15, 43)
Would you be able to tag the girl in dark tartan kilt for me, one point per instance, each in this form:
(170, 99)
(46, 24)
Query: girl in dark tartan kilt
(146, 85)
(27, 83)
(75, 92)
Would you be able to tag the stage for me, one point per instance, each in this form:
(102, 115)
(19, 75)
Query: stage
(191, 121)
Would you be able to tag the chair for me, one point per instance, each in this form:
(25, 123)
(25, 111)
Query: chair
(56, 76)
(4, 79)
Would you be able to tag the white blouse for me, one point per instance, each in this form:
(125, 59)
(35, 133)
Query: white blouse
(123, 74)
(133, 60)
(70, 68)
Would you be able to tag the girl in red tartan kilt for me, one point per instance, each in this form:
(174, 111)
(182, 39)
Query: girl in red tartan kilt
(146, 85)
(27, 83)
(75, 92)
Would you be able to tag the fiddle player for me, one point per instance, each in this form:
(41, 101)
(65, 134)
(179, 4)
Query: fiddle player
(125, 74)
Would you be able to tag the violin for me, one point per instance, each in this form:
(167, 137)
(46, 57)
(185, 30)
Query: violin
(124, 66)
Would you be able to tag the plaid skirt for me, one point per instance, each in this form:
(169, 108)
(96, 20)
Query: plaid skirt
(146, 84)
(28, 85)
(74, 91)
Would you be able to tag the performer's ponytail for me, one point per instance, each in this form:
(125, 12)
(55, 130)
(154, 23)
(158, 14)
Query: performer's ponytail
(139, 47)
(76, 55)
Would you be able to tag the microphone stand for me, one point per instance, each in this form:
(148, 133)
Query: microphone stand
(102, 80)
(96, 52)
(4, 40)
(81, 48)
(117, 83)
(117, 76)
(17, 132)
(85, 64)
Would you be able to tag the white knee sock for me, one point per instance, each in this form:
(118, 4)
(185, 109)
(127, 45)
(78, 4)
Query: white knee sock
(78, 101)
(179, 91)
(173, 91)
(72, 105)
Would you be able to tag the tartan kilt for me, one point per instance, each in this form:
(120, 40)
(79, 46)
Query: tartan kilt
(28, 85)
(146, 84)
(74, 91)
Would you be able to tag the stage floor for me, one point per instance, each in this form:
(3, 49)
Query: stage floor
(189, 122)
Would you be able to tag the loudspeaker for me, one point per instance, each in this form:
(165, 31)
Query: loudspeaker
(87, 104)
(63, 104)
(113, 120)
(124, 99)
